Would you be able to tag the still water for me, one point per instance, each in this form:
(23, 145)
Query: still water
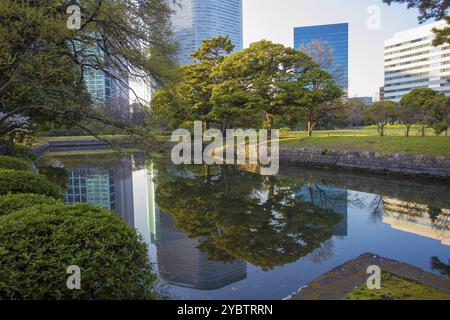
(224, 232)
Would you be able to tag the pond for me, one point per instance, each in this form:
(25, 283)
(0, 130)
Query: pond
(225, 232)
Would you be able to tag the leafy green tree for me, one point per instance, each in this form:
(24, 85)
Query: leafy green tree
(319, 98)
(354, 113)
(169, 108)
(418, 106)
(381, 113)
(440, 115)
(429, 9)
(251, 79)
(191, 98)
(274, 81)
(43, 63)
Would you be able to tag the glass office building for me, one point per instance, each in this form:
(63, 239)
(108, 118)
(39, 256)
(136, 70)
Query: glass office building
(336, 35)
(199, 20)
(104, 85)
(94, 186)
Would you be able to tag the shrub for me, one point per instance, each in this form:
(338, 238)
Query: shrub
(7, 162)
(23, 153)
(58, 176)
(13, 181)
(38, 244)
(13, 202)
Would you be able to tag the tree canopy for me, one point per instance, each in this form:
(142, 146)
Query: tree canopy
(254, 86)
(43, 63)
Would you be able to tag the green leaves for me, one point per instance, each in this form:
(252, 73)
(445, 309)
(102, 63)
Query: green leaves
(13, 163)
(42, 241)
(12, 181)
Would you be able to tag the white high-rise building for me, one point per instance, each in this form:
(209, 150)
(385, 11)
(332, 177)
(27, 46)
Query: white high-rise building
(411, 62)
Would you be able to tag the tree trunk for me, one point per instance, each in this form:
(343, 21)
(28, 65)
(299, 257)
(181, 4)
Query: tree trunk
(311, 126)
(408, 128)
(269, 121)
(381, 130)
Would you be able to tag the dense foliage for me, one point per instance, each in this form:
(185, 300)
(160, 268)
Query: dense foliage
(13, 163)
(13, 202)
(263, 84)
(13, 181)
(43, 62)
(38, 244)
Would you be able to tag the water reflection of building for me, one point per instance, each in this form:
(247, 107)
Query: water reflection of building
(181, 263)
(328, 198)
(109, 185)
(418, 219)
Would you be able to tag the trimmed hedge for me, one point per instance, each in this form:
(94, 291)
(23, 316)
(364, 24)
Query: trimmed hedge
(38, 244)
(7, 162)
(13, 202)
(13, 181)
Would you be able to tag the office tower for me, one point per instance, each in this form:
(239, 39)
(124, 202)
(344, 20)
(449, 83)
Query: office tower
(181, 263)
(336, 36)
(199, 20)
(104, 85)
(411, 62)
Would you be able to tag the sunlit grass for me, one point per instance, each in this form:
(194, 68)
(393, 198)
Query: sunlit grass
(397, 288)
(390, 144)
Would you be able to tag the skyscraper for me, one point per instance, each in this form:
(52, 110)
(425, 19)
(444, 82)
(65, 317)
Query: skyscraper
(336, 36)
(104, 85)
(198, 20)
(412, 62)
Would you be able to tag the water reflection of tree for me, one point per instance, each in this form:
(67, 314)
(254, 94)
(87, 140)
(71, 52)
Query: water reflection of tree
(438, 265)
(239, 215)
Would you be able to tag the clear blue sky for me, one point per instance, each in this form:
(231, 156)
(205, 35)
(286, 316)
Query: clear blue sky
(274, 20)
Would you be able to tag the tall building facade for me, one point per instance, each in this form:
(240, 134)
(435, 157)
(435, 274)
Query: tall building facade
(412, 62)
(198, 20)
(336, 36)
(104, 85)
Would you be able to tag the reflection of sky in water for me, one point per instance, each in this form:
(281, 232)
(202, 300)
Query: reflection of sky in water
(387, 226)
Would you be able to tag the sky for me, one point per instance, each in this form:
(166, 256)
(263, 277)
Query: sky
(275, 20)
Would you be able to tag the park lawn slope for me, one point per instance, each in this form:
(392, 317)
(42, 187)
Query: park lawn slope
(397, 288)
(439, 146)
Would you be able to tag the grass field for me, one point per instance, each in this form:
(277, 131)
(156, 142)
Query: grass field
(396, 288)
(418, 145)
(353, 140)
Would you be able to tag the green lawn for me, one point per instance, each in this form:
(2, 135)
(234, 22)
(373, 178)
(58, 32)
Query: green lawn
(397, 288)
(80, 138)
(353, 140)
(419, 145)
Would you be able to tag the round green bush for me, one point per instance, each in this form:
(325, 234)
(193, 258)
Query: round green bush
(13, 181)
(7, 162)
(38, 244)
(13, 202)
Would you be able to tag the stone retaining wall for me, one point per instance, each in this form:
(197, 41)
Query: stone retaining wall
(396, 163)
(76, 145)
